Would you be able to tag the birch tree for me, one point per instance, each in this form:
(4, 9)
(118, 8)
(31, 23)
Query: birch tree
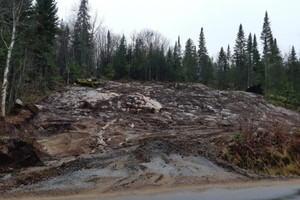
(16, 9)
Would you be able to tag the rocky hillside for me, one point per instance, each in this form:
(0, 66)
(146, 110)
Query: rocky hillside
(138, 135)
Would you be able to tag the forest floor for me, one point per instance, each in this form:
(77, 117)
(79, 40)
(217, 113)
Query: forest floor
(133, 137)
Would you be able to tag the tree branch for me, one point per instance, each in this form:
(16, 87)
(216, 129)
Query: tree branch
(3, 38)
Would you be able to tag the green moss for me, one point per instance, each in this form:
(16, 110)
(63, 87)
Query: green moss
(4, 138)
(84, 82)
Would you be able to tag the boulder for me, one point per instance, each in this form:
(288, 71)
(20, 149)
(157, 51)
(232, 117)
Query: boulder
(19, 104)
(256, 89)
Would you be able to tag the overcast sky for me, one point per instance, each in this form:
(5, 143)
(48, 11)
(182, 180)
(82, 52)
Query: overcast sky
(219, 18)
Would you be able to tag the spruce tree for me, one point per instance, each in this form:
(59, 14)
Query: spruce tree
(120, 64)
(250, 74)
(240, 59)
(150, 62)
(258, 68)
(276, 70)
(162, 64)
(205, 65)
(170, 73)
(63, 53)
(222, 67)
(139, 57)
(190, 61)
(229, 56)
(177, 63)
(293, 86)
(267, 38)
(82, 42)
(293, 70)
(267, 41)
(45, 12)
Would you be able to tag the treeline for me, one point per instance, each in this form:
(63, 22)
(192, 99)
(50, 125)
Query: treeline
(47, 51)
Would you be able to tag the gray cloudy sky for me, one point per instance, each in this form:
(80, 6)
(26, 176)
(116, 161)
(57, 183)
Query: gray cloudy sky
(219, 18)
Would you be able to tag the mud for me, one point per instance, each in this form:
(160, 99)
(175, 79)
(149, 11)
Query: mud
(132, 136)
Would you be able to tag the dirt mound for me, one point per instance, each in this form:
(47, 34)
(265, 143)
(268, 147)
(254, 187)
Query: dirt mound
(16, 154)
(134, 135)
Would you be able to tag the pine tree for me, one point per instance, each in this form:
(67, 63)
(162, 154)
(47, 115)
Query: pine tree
(292, 88)
(250, 61)
(150, 62)
(170, 73)
(293, 70)
(222, 64)
(139, 57)
(104, 54)
(205, 65)
(63, 53)
(240, 59)
(83, 39)
(229, 56)
(190, 61)
(177, 63)
(258, 68)
(120, 64)
(230, 74)
(45, 37)
(267, 40)
(276, 70)
(162, 64)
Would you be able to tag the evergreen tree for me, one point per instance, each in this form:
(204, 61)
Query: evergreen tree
(45, 37)
(250, 74)
(205, 65)
(292, 87)
(161, 72)
(63, 53)
(139, 60)
(104, 57)
(150, 62)
(276, 70)
(155, 62)
(170, 73)
(258, 68)
(120, 60)
(222, 64)
(190, 61)
(229, 56)
(240, 59)
(82, 43)
(267, 40)
(230, 74)
(293, 70)
(177, 63)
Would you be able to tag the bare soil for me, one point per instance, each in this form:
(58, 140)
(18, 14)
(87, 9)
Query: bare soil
(132, 136)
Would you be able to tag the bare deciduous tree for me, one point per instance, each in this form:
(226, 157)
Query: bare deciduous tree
(16, 8)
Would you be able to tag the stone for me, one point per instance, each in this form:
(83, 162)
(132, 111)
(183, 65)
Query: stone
(19, 103)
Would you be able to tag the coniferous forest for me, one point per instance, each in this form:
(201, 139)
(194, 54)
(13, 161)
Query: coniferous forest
(38, 52)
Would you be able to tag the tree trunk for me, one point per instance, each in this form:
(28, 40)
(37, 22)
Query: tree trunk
(15, 12)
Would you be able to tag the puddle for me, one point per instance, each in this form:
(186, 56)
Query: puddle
(260, 193)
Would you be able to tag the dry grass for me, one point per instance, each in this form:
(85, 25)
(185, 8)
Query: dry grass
(272, 150)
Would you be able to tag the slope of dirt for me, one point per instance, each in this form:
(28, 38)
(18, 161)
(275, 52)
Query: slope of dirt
(128, 136)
